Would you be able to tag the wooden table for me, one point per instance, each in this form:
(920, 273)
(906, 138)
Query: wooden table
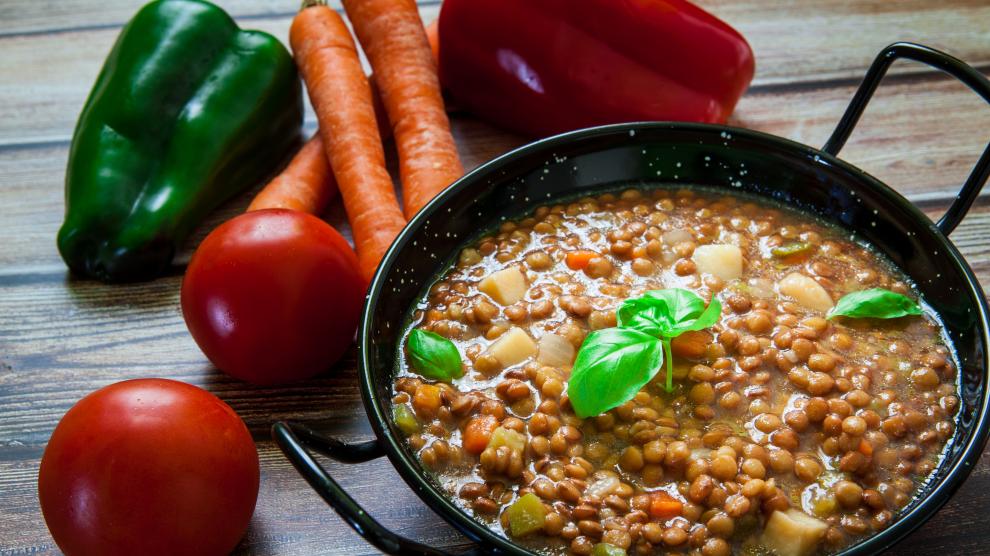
(61, 338)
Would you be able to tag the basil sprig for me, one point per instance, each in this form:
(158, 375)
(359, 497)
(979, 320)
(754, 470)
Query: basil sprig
(434, 356)
(876, 303)
(614, 363)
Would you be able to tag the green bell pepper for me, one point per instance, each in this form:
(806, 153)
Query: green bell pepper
(187, 111)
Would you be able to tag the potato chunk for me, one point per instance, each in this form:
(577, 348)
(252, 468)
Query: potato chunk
(793, 533)
(721, 260)
(506, 286)
(513, 347)
(555, 351)
(501, 436)
(805, 291)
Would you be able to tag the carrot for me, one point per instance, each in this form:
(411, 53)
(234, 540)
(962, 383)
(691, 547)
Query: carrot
(426, 400)
(665, 506)
(578, 260)
(341, 97)
(433, 36)
(397, 46)
(865, 448)
(384, 129)
(478, 432)
(306, 184)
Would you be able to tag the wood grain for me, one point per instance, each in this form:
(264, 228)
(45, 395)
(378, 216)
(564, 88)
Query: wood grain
(62, 338)
(921, 136)
(42, 106)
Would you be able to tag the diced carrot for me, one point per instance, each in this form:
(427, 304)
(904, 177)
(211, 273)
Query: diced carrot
(865, 448)
(578, 260)
(665, 506)
(692, 344)
(426, 400)
(478, 432)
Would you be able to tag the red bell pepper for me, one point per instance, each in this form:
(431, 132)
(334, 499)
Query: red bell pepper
(546, 66)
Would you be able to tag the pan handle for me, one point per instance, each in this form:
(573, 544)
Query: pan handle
(938, 60)
(294, 439)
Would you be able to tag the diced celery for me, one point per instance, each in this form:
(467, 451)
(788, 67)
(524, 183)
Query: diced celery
(605, 549)
(789, 249)
(405, 420)
(526, 515)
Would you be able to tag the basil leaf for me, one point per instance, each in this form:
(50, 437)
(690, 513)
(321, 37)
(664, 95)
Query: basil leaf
(611, 367)
(669, 312)
(875, 303)
(434, 356)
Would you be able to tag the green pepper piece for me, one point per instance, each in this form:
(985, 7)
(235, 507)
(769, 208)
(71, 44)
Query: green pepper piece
(526, 515)
(405, 420)
(188, 111)
(790, 249)
(605, 549)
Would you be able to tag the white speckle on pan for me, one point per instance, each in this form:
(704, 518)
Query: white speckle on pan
(632, 132)
(707, 158)
(546, 170)
(873, 223)
(678, 164)
(644, 151)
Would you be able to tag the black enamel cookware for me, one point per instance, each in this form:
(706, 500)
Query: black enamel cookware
(726, 158)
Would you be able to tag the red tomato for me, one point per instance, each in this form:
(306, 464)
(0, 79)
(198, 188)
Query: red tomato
(149, 466)
(273, 296)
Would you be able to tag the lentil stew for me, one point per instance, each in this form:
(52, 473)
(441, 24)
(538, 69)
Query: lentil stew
(786, 432)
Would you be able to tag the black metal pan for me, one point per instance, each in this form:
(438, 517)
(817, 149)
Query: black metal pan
(589, 160)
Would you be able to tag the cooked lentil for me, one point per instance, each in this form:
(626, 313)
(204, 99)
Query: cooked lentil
(776, 408)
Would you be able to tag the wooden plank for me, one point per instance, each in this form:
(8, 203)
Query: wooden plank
(778, 30)
(289, 519)
(60, 341)
(42, 106)
(83, 335)
(60, 338)
(32, 198)
(905, 137)
(837, 39)
(921, 136)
